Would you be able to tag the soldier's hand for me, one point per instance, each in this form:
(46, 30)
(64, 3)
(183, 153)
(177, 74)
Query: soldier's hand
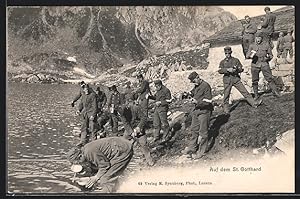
(158, 103)
(230, 70)
(91, 182)
(77, 113)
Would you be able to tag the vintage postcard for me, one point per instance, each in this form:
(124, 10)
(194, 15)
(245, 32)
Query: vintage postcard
(150, 99)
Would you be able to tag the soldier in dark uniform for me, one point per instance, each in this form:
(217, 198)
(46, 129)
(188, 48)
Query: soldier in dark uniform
(248, 34)
(143, 94)
(280, 45)
(267, 26)
(101, 99)
(231, 67)
(261, 53)
(114, 102)
(77, 97)
(202, 98)
(288, 44)
(102, 115)
(88, 111)
(162, 98)
(107, 158)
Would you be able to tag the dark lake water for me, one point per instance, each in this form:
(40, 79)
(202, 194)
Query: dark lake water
(42, 127)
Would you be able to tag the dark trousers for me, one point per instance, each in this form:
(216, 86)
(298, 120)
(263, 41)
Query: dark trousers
(267, 75)
(108, 180)
(247, 40)
(160, 121)
(229, 82)
(87, 127)
(199, 129)
(114, 122)
(142, 113)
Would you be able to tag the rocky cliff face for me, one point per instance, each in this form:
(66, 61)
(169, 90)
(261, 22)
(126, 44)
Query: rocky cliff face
(105, 37)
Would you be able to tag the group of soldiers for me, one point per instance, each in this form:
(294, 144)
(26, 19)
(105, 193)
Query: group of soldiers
(266, 29)
(110, 156)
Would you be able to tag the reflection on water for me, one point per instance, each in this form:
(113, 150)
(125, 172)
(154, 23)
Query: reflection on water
(42, 126)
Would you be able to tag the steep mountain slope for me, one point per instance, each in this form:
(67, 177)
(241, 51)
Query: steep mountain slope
(106, 37)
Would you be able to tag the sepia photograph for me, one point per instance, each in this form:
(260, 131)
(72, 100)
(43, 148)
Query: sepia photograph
(150, 99)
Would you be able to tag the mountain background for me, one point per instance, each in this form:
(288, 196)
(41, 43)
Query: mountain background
(102, 38)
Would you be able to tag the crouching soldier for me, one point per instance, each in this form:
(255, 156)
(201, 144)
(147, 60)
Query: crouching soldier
(231, 67)
(88, 111)
(261, 53)
(126, 114)
(162, 98)
(201, 114)
(107, 158)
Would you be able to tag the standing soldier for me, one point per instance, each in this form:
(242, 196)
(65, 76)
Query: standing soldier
(280, 45)
(201, 114)
(288, 44)
(114, 102)
(77, 97)
(162, 98)
(143, 94)
(88, 110)
(101, 99)
(267, 26)
(231, 67)
(261, 53)
(248, 34)
(102, 117)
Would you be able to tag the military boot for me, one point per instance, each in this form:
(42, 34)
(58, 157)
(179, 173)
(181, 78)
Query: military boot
(274, 89)
(255, 90)
(201, 150)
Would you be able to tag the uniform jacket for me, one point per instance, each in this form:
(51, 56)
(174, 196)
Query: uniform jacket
(88, 105)
(249, 28)
(231, 62)
(202, 93)
(260, 58)
(101, 100)
(143, 90)
(162, 95)
(268, 23)
(114, 99)
(104, 153)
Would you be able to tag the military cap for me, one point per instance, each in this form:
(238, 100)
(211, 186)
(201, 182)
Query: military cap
(158, 82)
(113, 88)
(192, 76)
(227, 49)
